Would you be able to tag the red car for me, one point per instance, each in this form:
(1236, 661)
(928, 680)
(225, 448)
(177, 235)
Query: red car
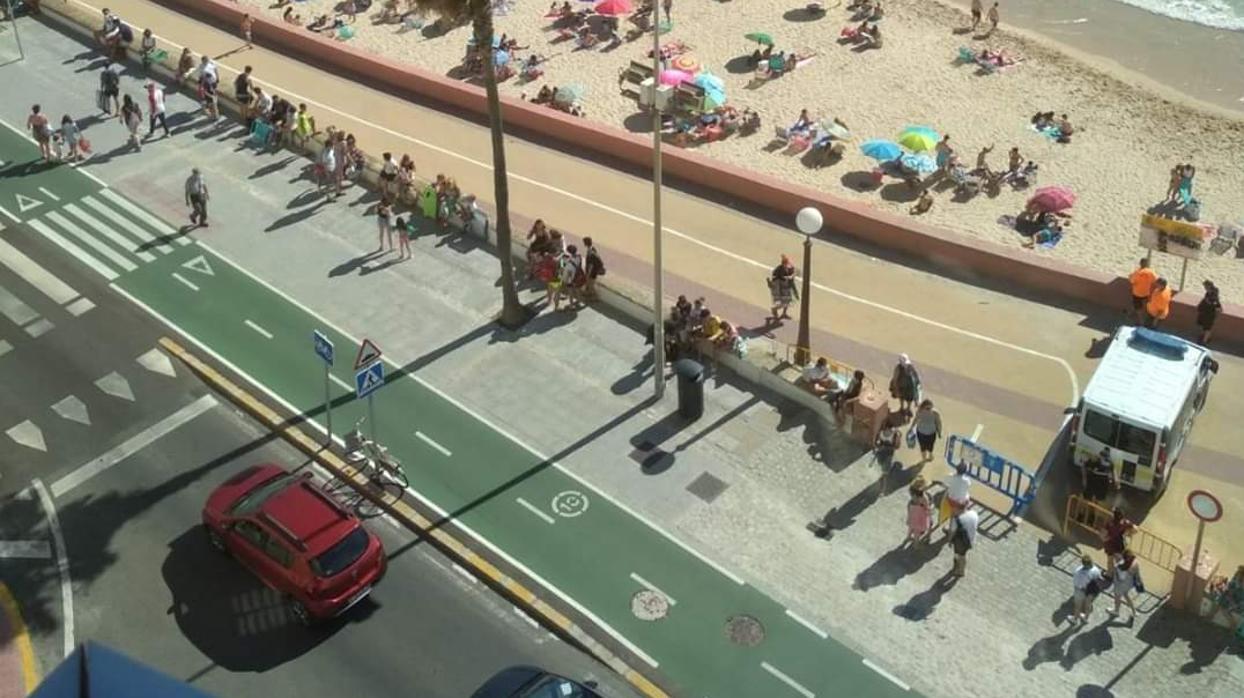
(296, 539)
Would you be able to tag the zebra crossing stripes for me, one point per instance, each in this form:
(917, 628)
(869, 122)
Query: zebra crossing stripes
(109, 253)
(45, 281)
(114, 236)
(155, 223)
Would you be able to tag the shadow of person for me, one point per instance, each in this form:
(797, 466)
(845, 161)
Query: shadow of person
(1048, 649)
(1095, 641)
(922, 605)
(1062, 614)
(895, 564)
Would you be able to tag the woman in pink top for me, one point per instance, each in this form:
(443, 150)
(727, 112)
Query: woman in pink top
(919, 511)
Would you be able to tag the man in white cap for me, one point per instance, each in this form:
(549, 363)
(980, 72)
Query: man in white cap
(155, 104)
(196, 197)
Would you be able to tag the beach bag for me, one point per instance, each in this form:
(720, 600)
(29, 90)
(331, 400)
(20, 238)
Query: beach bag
(1137, 584)
(911, 437)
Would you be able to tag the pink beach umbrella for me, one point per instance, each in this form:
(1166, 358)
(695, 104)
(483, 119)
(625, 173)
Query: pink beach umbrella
(675, 77)
(614, 7)
(1051, 199)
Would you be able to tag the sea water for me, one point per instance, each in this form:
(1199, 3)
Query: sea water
(1223, 14)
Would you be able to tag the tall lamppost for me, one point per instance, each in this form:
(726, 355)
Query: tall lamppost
(658, 302)
(809, 222)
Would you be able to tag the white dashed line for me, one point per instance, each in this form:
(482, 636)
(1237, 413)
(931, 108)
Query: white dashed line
(185, 281)
(893, 679)
(462, 571)
(807, 624)
(535, 510)
(787, 680)
(25, 549)
(429, 441)
(652, 587)
(49, 194)
(266, 334)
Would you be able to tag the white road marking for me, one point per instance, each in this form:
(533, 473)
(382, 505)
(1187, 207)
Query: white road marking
(893, 679)
(73, 409)
(429, 441)
(482, 540)
(80, 306)
(32, 273)
(62, 567)
(5, 211)
(462, 571)
(787, 680)
(115, 385)
(976, 434)
(652, 587)
(49, 194)
(125, 224)
(523, 614)
(132, 445)
(185, 281)
(5, 347)
(807, 624)
(200, 265)
(266, 334)
(117, 238)
(46, 231)
(150, 220)
(25, 550)
(341, 383)
(28, 434)
(535, 510)
(26, 203)
(91, 241)
(157, 362)
(15, 310)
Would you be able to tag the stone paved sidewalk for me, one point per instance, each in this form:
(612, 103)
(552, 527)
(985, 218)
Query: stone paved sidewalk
(740, 484)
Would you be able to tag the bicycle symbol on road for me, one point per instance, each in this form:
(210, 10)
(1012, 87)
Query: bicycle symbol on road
(570, 504)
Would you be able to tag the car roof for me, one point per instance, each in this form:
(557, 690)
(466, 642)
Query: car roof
(305, 513)
(1145, 376)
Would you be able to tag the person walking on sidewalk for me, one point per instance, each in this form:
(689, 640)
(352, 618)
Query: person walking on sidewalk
(963, 540)
(1207, 311)
(110, 89)
(247, 26)
(1141, 281)
(1086, 584)
(905, 384)
(1126, 577)
(595, 267)
(132, 117)
(41, 131)
(196, 197)
(928, 427)
(155, 109)
(384, 224)
(72, 136)
(782, 289)
(405, 231)
(919, 511)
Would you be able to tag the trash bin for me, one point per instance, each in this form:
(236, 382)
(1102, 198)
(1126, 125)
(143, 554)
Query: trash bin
(690, 388)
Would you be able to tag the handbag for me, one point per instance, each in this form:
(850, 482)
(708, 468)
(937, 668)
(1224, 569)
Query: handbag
(911, 437)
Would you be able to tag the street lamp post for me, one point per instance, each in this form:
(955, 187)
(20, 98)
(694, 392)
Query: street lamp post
(809, 222)
(658, 319)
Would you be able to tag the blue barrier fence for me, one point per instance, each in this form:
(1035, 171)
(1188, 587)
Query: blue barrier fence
(993, 471)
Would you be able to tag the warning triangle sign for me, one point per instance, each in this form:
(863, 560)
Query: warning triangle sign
(25, 203)
(368, 353)
(200, 265)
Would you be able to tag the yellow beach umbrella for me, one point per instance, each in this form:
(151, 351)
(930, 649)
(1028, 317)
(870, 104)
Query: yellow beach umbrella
(918, 140)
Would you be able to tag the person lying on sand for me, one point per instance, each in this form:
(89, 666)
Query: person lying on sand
(544, 96)
(878, 11)
(872, 36)
(1042, 120)
(923, 204)
(1065, 129)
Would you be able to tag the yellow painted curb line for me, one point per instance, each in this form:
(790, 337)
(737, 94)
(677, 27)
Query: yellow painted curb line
(30, 668)
(403, 512)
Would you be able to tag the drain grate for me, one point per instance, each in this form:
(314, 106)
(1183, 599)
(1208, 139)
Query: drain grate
(649, 605)
(707, 487)
(745, 630)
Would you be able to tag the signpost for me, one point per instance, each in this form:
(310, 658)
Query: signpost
(1207, 509)
(1184, 240)
(324, 349)
(368, 377)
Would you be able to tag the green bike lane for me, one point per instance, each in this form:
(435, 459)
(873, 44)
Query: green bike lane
(28, 186)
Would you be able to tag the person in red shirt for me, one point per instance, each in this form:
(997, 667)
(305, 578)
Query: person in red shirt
(1142, 285)
(1114, 536)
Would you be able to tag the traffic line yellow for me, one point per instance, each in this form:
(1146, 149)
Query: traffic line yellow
(20, 639)
(546, 614)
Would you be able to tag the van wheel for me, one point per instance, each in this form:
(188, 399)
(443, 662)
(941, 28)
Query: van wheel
(300, 612)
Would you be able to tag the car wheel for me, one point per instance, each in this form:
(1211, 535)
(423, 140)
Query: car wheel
(214, 538)
(300, 612)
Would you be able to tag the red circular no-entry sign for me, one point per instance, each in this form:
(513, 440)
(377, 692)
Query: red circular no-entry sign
(1204, 506)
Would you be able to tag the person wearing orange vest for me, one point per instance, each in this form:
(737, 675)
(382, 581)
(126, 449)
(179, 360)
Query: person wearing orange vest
(1142, 285)
(1159, 304)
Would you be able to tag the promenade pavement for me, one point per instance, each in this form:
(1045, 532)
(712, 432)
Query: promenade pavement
(740, 484)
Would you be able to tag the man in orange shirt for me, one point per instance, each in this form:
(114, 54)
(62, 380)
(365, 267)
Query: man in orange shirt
(1142, 285)
(1159, 304)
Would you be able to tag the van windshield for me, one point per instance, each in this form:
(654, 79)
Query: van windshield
(1120, 435)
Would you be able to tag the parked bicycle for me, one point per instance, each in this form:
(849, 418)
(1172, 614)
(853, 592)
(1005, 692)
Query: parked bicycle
(373, 459)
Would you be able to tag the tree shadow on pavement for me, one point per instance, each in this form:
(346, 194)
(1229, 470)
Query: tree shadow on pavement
(1206, 641)
(897, 563)
(922, 605)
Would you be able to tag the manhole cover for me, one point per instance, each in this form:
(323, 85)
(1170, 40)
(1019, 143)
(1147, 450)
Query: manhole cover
(649, 605)
(745, 630)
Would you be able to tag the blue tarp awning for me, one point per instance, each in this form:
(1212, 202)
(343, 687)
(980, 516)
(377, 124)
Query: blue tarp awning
(95, 671)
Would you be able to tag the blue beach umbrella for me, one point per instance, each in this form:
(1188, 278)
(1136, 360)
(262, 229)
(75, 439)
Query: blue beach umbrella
(710, 82)
(500, 58)
(881, 150)
(919, 162)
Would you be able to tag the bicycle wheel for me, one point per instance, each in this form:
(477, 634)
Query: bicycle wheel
(396, 473)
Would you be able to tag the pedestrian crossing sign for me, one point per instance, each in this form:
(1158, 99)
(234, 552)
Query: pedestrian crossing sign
(369, 379)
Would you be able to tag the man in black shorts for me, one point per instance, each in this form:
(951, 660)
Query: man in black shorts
(110, 89)
(242, 90)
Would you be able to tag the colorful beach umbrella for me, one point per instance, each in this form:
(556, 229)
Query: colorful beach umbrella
(569, 94)
(759, 37)
(918, 141)
(881, 150)
(710, 82)
(686, 63)
(1051, 199)
(675, 77)
(921, 163)
(614, 7)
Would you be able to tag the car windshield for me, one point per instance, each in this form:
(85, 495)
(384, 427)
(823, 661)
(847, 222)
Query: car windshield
(342, 555)
(557, 687)
(254, 499)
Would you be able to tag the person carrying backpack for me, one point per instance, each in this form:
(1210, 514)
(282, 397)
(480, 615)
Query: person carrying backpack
(963, 539)
(110, 89)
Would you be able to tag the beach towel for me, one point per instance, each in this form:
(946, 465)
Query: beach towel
(1047, 238)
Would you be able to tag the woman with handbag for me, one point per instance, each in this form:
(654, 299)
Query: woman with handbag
(905, 384)
(927, 425)
(1126, 577)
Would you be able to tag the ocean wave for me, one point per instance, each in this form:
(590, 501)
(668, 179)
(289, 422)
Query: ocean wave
(1223, 14)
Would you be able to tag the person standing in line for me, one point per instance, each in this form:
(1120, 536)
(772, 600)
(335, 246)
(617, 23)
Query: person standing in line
(1114, 535)
(993, 18)
(1086, 584)
(595, 267)
(326, 165)
(384, 224)
(155, 109)
(242, 91)
(248, 24)
(405, 231)
(782, 289)
(977, 11)
(1207, 311)
(928, 426)
(388, 175)
(72, 136)
(304, 125)
(196, 198)
(919, 511)
(110, 90)
(1159, 304)
(37, 122)
(341, 155)
(905, 384)
(132, 117)
(1126, 577)
(963, 540)
(1141, 281)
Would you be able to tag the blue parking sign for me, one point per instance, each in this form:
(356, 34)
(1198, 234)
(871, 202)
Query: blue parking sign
(323, 346)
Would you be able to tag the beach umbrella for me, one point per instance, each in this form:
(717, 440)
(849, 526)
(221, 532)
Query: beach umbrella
(686, 63)
(675, 77)
(918, 141)
(714, 99)
(500, 58)
(833, 129)
(881, 150)
(614, 7)
(710, 82)
(569, 94)
(1051, 199)
(920, 162)
(759, 37)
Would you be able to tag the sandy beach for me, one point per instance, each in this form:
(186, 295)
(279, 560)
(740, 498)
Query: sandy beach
(1129, 134)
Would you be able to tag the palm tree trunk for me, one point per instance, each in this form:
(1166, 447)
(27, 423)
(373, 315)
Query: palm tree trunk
(513, 313)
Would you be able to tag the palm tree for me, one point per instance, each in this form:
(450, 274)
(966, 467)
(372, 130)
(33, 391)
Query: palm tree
(479, 14)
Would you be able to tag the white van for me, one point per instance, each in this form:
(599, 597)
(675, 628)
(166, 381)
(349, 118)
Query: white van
(1140, 405)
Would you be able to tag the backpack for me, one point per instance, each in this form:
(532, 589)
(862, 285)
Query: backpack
(960, 541)
(109, 80)
(127, 34)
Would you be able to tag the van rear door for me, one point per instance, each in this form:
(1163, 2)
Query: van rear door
(1133, 447)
